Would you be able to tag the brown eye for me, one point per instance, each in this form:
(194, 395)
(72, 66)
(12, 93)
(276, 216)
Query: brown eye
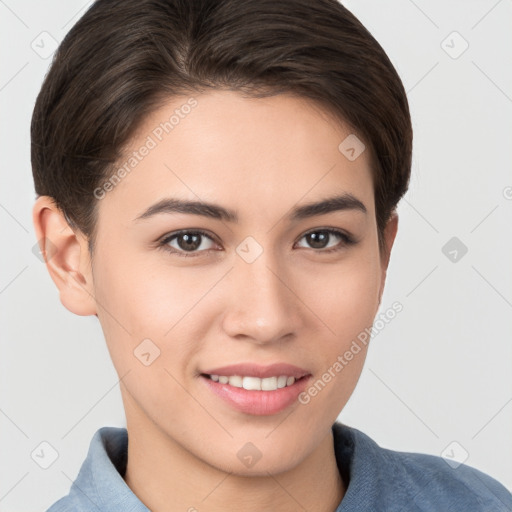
(320, 239)
(187, 243)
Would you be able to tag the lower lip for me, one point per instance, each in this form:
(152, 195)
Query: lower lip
(261, 403)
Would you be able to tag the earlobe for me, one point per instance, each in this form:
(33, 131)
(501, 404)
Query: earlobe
(66, 257)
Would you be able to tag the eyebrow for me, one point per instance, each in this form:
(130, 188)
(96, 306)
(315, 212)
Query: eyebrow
(173, 205)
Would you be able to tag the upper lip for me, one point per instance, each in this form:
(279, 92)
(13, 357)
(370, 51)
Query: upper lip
(255, 370)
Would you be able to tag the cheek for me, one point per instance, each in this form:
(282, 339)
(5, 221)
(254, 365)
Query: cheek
(128, 307)
(345, 296)
(150, 302)
(345, 300)
(143, 318)
(346, 303)
(136, 293)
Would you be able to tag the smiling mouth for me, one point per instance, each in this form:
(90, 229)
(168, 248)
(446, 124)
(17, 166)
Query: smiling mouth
(254, 383)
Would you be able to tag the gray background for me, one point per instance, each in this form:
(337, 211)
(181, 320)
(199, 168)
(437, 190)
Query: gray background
(438, 377)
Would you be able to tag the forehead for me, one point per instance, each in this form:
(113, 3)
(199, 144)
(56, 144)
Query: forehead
(255, 155)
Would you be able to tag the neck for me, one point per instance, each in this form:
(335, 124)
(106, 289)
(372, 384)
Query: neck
(166, 478)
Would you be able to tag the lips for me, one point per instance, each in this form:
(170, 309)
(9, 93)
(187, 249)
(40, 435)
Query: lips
(257, 390)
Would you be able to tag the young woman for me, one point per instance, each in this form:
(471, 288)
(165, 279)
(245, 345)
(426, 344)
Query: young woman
(218, 183)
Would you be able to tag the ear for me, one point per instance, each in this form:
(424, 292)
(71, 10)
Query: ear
(389, 238)
(66, 256)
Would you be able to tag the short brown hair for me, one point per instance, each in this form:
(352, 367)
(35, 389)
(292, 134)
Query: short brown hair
(125, 58)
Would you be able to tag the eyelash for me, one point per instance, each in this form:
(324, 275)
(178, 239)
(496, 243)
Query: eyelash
(347, 240)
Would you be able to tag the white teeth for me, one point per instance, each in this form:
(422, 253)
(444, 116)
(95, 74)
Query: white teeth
(281, 381)
(251, 383)
(236, 381)
(255, 383)
(269, 384)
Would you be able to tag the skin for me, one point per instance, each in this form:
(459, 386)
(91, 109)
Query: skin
(293, 304)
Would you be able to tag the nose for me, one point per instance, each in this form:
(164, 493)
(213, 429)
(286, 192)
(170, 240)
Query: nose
(262, 307)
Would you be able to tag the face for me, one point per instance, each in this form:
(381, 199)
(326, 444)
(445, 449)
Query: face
(280, 290)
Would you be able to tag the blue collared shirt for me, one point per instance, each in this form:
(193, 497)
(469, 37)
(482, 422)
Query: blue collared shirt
(379, 479)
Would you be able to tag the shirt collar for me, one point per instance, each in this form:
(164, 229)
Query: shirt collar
(100, 482)
(359, 460)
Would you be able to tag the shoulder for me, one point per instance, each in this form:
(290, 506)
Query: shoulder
(431, 480)
(419, 481)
